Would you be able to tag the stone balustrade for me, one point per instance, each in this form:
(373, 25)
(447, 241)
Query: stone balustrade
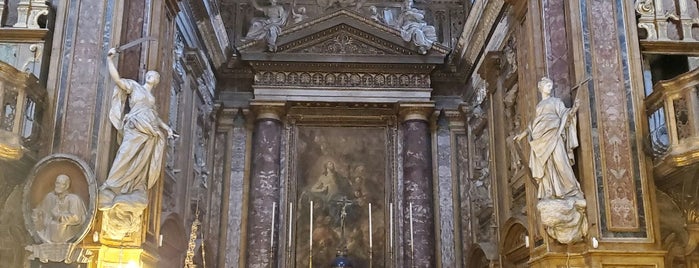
(673, 119)
(22, 100)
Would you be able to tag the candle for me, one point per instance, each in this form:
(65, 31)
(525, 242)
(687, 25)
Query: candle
(311, 228)
(390, 225)
(291, 217)
(412, 242)
(371, 240)
(271, 233)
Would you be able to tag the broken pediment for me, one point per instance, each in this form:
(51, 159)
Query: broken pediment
(342, 36)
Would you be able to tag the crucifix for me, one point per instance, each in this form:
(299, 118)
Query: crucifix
(344, 202)
(341, 257)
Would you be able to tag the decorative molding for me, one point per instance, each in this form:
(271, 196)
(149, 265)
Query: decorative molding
(347, 67)
(22, 35)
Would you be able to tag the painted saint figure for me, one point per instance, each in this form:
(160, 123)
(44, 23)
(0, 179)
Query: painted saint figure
(326, 185)
(60, 215)
(413, 27)
(138, 162)
(552, 137)
(268, 27)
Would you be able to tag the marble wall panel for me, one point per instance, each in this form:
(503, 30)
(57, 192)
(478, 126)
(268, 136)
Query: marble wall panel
(618, 176)
(464, 195)
(235, 193)
(446, 194)
(556, 43)
(135, 21)
(213, 236)
(80, 85)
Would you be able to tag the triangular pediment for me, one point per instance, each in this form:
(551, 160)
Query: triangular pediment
(342, 36)
(344, 40)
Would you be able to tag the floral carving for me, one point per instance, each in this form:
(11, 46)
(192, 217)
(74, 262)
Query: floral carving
(344, 44)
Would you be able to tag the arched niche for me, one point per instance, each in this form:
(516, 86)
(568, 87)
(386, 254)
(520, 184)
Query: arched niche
(174, 240)
(514, 245)
(478, 259)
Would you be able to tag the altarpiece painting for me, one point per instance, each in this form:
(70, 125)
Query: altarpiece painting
(342, 170)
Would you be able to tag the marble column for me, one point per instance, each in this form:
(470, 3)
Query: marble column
(264, 185)
(418, 186)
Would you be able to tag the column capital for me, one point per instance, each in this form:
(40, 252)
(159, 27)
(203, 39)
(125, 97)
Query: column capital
(455, 118)
(227, 116)
(415, 111)
(268, 109)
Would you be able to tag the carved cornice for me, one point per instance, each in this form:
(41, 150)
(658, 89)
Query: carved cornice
(198, 10)
(23, 35)
(201, 20)
(194, 62)
(455, 118)
(346, 67)
(476, 33)
(342, 113)
(172, 7)
(673, 47)
(490, 69)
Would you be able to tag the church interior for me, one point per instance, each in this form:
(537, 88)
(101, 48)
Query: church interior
(349, 133)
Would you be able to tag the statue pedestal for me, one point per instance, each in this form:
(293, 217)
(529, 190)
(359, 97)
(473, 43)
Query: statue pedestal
(113, 257)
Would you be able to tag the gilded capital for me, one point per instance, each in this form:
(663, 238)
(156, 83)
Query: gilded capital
(415, 111)
(268, 110)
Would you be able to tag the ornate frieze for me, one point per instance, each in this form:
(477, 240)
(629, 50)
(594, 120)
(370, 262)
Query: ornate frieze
(320, 79)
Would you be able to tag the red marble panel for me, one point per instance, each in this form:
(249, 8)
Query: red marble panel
(83, 79)
(613, 122)
(557, 52)
(133, 29)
